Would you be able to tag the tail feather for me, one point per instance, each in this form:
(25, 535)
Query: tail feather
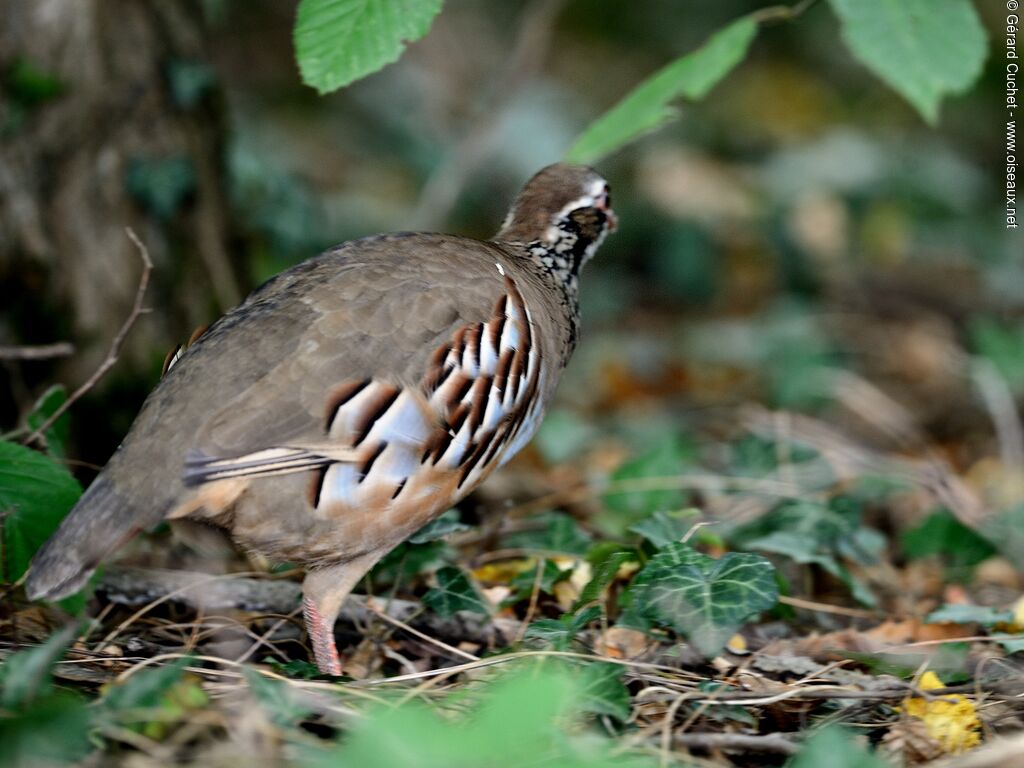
(98, 524)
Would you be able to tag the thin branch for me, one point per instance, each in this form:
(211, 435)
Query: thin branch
(772, 742)
(115, 346)
(38, 351)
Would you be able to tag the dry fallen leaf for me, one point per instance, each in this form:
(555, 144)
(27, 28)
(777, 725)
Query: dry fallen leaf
(623, 643)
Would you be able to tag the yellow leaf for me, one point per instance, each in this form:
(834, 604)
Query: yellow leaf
(951, 720)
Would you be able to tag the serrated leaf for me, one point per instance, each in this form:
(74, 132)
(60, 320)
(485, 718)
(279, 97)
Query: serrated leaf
(340, 41)
(603, 692)
(923, 49)
(648, 106)
(35, 495)
(27, 675)
(47, 404)
(705, 599)
(454, 592)
(446, 524)
(663, 528)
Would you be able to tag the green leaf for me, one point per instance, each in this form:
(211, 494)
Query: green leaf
(146, 688)
(942, 534)
(340, 41)
(46, 406)
(636, 494)
(834, 747)
(524, 719)
(603, 692)
(924, 49)
(27, 675)
(705, 599)
(35, 495)
(295, 668)
(454, 592)
(603, 574)
(523, 583)
(970, 614)
(280, 700)
(647, 106)
(53, 731)
(663, 528)
(1010, 643)
(152, 700)
(444, 525)
(1005, 531)
(560, 533)
(559, 633)
(1003, 346)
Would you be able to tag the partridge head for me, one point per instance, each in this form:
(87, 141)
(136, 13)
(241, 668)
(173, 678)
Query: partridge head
(352, 399)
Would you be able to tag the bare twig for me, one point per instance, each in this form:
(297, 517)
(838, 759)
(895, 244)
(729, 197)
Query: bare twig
(150, 587)
(115, 346)
(38, 351)
(772, 742)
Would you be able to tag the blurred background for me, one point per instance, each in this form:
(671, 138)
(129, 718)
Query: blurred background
(799, 240)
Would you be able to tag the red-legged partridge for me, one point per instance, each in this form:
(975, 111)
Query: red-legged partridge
(352, 399)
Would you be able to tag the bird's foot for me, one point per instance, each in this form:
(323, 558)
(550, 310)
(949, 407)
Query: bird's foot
(321, 635)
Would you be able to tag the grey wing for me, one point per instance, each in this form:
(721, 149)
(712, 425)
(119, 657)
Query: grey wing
(357, 362)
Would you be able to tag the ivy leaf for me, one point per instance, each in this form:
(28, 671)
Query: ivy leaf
(603, 692)
(603, 575)
(437, 529)
(340, 41)
(35, 495)
(647, 106)
(703, 598)
(559, 633)
(635, 494)
(560, 534)
(663, 528)
(454, 592)
(923, 49)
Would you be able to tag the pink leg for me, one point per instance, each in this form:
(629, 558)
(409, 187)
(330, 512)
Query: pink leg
(321, 635)
(325, 589)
